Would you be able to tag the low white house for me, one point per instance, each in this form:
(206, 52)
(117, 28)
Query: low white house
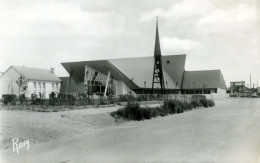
(40, 81)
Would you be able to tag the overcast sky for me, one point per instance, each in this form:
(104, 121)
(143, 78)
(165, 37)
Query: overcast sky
(215, 34)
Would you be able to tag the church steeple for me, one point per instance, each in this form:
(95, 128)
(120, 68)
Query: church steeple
(158, 71)
(157, 48)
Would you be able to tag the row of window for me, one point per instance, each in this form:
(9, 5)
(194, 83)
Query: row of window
(40, 85)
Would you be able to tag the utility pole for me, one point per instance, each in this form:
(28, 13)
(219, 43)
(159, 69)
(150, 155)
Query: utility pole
(250, 81)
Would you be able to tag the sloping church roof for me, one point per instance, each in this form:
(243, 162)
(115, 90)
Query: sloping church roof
(141, 69)
(74, 87)
(203, 79)
(133, 71)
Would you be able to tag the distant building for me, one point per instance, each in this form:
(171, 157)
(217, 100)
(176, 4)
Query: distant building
(238, 89)
(40, 81)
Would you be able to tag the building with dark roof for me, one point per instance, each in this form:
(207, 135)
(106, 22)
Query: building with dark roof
(40, 81)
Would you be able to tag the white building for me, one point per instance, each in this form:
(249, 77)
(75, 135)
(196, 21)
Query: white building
(40, 81)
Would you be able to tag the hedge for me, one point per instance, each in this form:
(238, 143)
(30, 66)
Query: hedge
(133, 111)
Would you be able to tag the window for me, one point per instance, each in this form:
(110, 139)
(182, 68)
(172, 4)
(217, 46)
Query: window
(43, 84)
(57, 86)
(35, 86)
(53, 86)
(40, 85)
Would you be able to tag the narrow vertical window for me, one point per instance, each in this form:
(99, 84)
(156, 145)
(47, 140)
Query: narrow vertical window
(40, 86)
(35, 86)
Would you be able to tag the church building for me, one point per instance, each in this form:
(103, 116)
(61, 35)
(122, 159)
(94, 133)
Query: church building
(158, 74)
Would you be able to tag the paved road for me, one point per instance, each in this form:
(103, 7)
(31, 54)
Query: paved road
(229, 132)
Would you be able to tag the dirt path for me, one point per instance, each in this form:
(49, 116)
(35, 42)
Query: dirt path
(45, 126)
(229, 132)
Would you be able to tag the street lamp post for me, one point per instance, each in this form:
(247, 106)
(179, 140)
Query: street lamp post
(189, 91)
(203, 88)
(144, 87)
(194, 88)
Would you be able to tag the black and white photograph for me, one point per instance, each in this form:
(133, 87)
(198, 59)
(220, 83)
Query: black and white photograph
(129, 81)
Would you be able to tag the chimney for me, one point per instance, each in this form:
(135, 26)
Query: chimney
(52, 70)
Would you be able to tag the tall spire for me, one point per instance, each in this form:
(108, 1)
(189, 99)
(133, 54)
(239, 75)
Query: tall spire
(158, 71)
(157, 48)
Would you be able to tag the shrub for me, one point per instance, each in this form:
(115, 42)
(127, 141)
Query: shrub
(36, 100)
(66, 99)
(90, 101)
(71, 99)
(126, 98)
(196, 103)
(190, 106)
(146, 113)
(184, 106)
(52, 101)
(175, 106)
(211, 103)
(154, 112)
(142, 98)
(111, 100)
(179, 107)
(133, 111)
(43, 108)
(204, 102)
(9, 98)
